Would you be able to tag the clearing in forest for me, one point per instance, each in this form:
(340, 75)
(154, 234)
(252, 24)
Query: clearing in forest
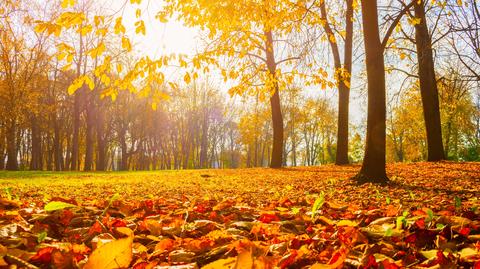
(247, 218)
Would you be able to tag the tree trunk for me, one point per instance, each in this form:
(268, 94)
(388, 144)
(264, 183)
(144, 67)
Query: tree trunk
(2, 146)
(277, 119)
(343, 74)
(101, 145)
(428, 86)
(74, 163)
(57, 146)
(76, 133)
(373, 167)
(204, 141)
(89, 139)
(36, 161)
(124, 151)
(342, 125)
(12, 162)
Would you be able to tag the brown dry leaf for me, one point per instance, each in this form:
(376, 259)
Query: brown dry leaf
(115, 254)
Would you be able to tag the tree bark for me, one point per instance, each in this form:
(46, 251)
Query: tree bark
(89, 139)
(36, 161)
(57, 146)
(277, 119)
(101, 145)
(2, 146)
(12, 162)
(373, 167)
(428, 85)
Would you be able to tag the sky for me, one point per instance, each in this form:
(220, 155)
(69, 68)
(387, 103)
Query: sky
(160, 38)
(174, 37)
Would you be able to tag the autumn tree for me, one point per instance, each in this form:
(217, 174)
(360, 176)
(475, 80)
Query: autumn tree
(373, 166)
(250, 35)
(343, 70)
(22, 60)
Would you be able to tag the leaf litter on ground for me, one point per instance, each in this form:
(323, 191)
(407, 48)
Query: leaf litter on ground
(428, 217)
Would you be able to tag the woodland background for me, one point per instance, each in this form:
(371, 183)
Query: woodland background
(45, 126)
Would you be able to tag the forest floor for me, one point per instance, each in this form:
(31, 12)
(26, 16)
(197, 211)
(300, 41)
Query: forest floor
(315, 217)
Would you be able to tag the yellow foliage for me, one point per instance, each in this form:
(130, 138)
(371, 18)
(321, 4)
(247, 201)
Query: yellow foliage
(115, 254)
(140, 27)
(97, 51)
(67, 3)
(126, 44)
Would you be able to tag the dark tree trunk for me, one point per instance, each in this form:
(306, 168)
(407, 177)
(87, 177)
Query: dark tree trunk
(36, 161)
(343, 74)
(101, 145)
(428, 85)
(2, 147)
(277, 119)
(74, 162)
(76, 133)
(12, 162)
(373, 167)
(342, 125)
(89, 139)
(57, 146)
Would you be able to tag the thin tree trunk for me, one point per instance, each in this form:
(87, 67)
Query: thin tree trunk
(57, 147)
(101, 145)
(36, 160)
(343, 74)
(428, 85)
(89, 147)
(12, 162)
(204, 141)
(277, 119)
(2, 146)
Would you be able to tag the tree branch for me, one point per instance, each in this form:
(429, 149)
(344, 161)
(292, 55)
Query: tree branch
(394, 24)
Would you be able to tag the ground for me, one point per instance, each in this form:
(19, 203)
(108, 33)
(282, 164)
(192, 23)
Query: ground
(428, 216)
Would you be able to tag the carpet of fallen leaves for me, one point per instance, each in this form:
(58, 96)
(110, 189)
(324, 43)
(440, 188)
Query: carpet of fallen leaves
(428, 217)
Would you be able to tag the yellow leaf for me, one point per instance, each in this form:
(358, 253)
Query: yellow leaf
(244, 260)
(98, 20)
(347, 223)
(89, 82)
(162, 17)
(85, 30)
(135, 1)
(138, 13)
(61, 56)
(414, 21)
(76, 84)
(98, 51)
(187, 78)
(67, 3)
(119, 28)
(126, 44)
(119, 68)
(115, 254)
(140, 27)
(154, 106)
